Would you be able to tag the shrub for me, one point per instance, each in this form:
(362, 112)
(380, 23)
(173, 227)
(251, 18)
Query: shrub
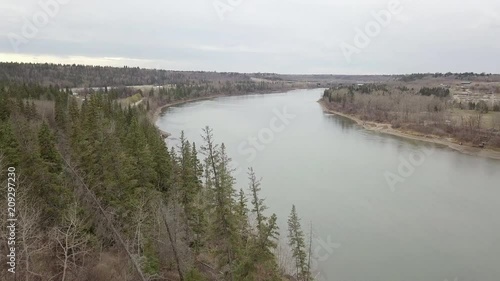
(438, 92)
(495, 141)
(472, 106)
(482, 107)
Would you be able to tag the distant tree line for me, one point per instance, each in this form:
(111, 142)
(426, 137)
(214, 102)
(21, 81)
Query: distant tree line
(101, 76)
(460, 76)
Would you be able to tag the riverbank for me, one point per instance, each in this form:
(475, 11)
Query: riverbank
(156, 113)
(388, 129)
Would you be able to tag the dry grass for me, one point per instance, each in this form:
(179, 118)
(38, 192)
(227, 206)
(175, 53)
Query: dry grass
(491, 120)
(428, 115)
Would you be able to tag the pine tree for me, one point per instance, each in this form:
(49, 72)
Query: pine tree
(258, 203)
(138, 148)
(48, 151)
(31, 111)
(260, 258)
(197, 219)
(9, 146)
(51, 191)
(117, 182)
(74, 123)
(162, 160)
(4, 106)
(187, 174)
(297, 243)
(60, 111)
(224, 227)
(241, 211)
(190, 188)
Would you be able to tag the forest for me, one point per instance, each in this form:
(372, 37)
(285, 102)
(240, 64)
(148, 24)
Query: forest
(100, 196)
(89, 77)
(100, 76)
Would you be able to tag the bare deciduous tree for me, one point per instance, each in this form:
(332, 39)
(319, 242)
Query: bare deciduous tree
(71, 241)
(30, 236)
(140, 216)
(163, 213)
(496, 120)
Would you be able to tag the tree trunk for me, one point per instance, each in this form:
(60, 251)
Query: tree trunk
(172, 242)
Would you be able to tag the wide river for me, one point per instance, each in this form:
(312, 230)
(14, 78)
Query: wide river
(382, 208)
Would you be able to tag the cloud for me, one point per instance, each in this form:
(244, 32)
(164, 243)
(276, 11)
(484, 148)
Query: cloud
(286, 36)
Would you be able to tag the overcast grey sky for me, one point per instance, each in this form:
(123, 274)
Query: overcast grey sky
(284, 36)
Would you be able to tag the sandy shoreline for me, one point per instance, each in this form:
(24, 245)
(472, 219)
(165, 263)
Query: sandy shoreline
(387, 129)
(160, 109)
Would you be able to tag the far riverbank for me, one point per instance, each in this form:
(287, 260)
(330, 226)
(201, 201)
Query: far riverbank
(388, 129)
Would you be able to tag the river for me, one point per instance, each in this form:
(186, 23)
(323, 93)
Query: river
(383, 208)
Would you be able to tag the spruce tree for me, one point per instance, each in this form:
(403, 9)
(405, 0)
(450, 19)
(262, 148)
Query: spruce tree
(9, 146)
(60, 111)
(242, 216)
(296, 242)
(262, 246)
(224, 226)
(258, 203)
(48, 151)
(4, 106)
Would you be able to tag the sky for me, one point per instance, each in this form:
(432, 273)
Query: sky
(279, 36)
